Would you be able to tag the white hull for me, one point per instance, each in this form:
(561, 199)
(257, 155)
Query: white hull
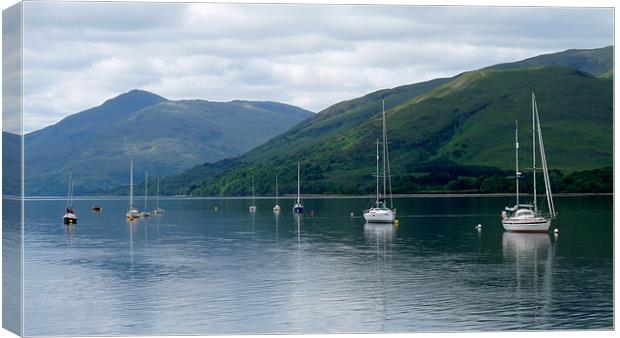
(253, 208)
(276, 208)
(69, 218)
(133, 213)
(379, 216)
(537, 224)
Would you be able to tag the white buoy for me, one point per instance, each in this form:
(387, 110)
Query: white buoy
(479, 226)
(556, 231)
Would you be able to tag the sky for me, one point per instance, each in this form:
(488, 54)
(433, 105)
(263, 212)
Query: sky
(78, 54)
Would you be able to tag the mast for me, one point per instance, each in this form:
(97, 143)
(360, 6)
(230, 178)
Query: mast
(534, 151)
(298, 189)
(276, 189)
(252, 189)
(384, 151)
(69, 190)
(146, 189)
(387, 158)
(157, 192)
(543, 157)
(131, 184)
(517, 159)
(377, 175)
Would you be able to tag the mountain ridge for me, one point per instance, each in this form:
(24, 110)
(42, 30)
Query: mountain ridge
(162, 136)
(356, 123)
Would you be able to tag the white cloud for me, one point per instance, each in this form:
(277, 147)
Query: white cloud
(77, 54)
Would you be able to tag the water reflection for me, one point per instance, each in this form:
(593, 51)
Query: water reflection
(532, 256)
(298, 221)
(379, 233)
(69, 230)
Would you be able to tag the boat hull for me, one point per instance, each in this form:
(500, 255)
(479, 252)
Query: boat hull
(541, 225)
(379, 216)
(69, 219)
(298, 209)
(132, 214)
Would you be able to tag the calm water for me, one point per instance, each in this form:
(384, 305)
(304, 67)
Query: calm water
(195, 270)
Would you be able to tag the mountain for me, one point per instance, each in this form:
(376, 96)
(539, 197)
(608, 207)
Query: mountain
(162, 136)
(449, 133)
(597, 62)
(11, 168)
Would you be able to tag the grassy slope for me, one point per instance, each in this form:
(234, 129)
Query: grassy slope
(469, 120)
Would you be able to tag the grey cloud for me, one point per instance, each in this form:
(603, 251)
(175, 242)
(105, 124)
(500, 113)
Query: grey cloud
(79, 54)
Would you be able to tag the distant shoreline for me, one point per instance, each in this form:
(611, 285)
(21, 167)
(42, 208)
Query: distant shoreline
(308, 196)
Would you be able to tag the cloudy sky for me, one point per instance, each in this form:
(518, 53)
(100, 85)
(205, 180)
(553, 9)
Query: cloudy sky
(77, 55)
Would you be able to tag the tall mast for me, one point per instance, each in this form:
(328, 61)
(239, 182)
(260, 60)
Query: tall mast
(377, 175)
(157, 192)
(252, 189)
(517, 159)
(276, 189)
(146, 189)
(534, 151)
(387, 159)
(384, 151)
(70, 188)
(131, 184)
(543, 158)
(298, 189)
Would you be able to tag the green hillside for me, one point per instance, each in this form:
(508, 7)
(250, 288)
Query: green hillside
(450, 134)
(597, 61)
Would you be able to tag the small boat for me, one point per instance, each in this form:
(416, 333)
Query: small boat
(96, 208)
(70, 217)
(298, 208)
(158, 210)
(133, 212)
(380, 212)
(527, 217)
(276, 208)
(253, 206)
(145, 213)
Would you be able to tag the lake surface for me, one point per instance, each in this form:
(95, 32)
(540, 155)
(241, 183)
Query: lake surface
(197, 270)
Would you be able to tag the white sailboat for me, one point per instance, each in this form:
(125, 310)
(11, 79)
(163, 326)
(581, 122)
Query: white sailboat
(133, 211)
(145, 213)
(380, 212)
(253, 206)
(298, 208)
(527, 217)
(158, 210)
(70, 217)
(276, 208)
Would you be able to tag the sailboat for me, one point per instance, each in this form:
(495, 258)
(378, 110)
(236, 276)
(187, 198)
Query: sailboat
(145, 213)
(276, 208)
(380, 212)
(527, 217)
(70, 217)
(133, 211)
(158, 210)
(298, 208)
(253, 206)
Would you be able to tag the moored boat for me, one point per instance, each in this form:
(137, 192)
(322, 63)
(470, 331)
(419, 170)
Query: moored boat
(380, 212)
(528, 217)
(298, 208)
(276, 208)
(133, 212)
(70, 217)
